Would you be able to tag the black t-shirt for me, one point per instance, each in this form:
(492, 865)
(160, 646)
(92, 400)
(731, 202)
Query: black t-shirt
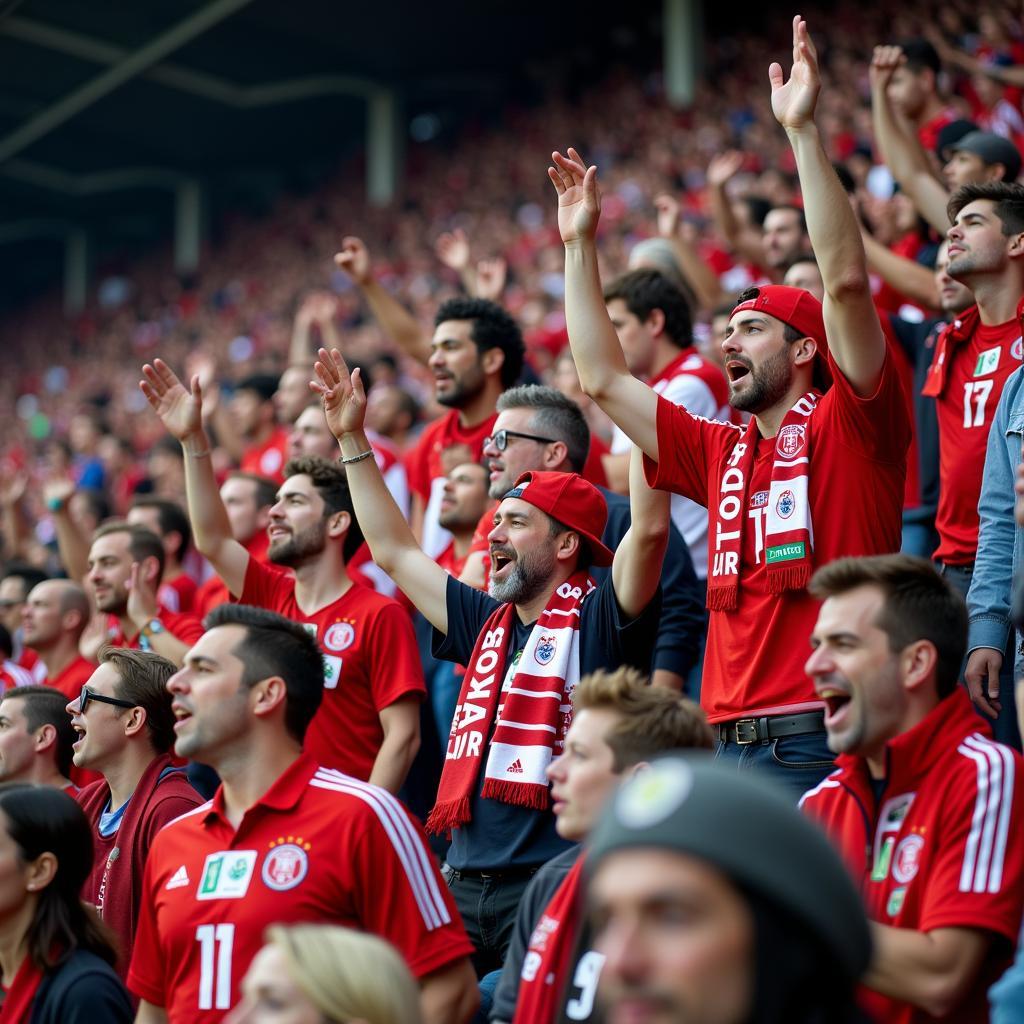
(500, 835)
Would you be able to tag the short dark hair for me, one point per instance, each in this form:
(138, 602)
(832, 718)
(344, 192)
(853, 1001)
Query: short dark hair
(276, 646)
(758, 207)
(331, 484)
(800, 215)
(44, 819)
(6, 641)
(646, 290)
(919, 605)
(142, 543)
(493, 327)
(920, 55)
(97, 500)
(43, 705)
(29, 575)
(266, 490)
(555, 416)
(172, 519)
(142, 679)
(1007, 196)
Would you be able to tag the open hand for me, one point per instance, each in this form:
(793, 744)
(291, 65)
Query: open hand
(668, 208)
(58, 492)
(180, 410)
(579, 201)
(452, 249)
(354, 259)
(342, 392)
(793, 102)
(142, 604)
(725, 166)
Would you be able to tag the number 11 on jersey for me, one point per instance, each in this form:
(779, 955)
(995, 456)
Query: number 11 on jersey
(216, 942)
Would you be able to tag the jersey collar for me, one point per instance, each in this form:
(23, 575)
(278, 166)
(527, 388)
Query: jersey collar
(283, 795)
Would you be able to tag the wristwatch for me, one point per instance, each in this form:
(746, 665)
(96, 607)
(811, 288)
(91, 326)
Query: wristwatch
(153, 627)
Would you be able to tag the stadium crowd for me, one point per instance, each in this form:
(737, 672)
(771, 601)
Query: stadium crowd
(609, 612)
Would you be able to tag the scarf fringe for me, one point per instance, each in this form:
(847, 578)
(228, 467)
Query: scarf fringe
(722, 599)
(444, 817)
(519, 794)
(792, 577)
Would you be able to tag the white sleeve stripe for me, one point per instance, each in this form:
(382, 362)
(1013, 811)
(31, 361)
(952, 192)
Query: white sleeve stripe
(967, 871)
(827, 783)
(1001, 807)
(410, 848)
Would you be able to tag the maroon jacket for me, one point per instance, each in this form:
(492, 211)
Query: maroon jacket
(115, 883)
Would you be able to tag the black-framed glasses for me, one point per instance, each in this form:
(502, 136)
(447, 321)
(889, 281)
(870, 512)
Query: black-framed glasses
(88, 695)
(500, 439)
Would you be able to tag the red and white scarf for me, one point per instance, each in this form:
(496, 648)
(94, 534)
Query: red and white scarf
(533, 714)
(548, 957)
(789, 534)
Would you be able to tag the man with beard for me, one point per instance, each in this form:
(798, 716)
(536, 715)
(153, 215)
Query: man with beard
(974, 357)
(543, 624)
(475, 354)
(126, 564)
(368, 723)
(818, 472)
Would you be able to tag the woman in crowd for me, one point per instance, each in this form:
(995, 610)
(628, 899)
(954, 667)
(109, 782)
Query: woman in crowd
(319, 974)
(56, 956)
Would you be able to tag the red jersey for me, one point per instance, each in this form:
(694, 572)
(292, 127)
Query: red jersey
(72, 678)
(939, 848)
(29, 659)
(754, 661)
(268, 459)
(427, 471)
(214, 592)
(179, 594)
(978, 369)
(318, 846)
(928, 133)
(186, 628)
(593, 468)
(370, 661)
(12, 675)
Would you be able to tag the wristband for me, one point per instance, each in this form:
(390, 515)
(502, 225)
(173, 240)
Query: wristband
(356, 458)
(55, 504)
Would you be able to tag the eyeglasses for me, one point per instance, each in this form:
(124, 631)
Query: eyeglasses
(88, 695)
(500, 439)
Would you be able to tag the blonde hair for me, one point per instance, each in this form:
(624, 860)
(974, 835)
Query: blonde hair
(348, 975)
(652, 719)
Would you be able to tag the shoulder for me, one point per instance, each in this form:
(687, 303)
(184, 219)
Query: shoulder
(826, 795)
(84, 979)
(361, 804)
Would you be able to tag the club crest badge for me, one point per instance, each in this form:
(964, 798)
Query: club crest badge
(546, 647)
(285, 867)
(791, 440)
(339, 637)
(907, 859)
(786, 504)
(1017, 350)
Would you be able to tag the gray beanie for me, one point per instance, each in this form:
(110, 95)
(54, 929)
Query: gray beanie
(746, 829)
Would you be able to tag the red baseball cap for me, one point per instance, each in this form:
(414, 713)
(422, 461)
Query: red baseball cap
(796, 307)
(571, 500)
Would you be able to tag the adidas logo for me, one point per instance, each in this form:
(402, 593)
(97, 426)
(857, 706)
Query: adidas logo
(178, 879)
(516, 767)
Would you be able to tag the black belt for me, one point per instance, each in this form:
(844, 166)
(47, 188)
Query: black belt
(745, 731)
(504, 875)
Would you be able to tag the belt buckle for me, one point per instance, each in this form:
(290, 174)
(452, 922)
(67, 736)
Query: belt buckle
(746, 731)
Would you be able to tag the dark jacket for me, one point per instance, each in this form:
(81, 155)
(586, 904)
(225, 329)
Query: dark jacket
(82, 990)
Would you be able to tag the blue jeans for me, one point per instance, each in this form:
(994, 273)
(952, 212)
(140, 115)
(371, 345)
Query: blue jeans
(795, 763)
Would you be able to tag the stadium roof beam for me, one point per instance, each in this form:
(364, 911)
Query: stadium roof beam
(682, 33)
(106, 82)
(383, 137)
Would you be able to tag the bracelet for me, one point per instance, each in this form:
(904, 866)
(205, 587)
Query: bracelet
(356, 458)
(55, 504)
(196, 455)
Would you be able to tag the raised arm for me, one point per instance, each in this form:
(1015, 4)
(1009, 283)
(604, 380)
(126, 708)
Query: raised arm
(851, 322)
(181, 412)
(899, 146)
(72, 544)
(395, 320)
(392, 544)
(600, 363)
(744, 241)
(636, 570)
(908, 277)
(701, 277)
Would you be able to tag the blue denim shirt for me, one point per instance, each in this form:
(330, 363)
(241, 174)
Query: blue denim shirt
(1000, 557)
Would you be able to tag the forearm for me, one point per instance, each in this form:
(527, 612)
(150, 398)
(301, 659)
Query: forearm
(169, 646)
(72, 545)
(150, 1014)
(396, 321)
(595, 347)
(906, 276)
(299, 348)
(394, 759)
(831, 225)
(725, 220)
(210, 524)
(450, 995)
(921, 968)
(702, 278)
(669, 680)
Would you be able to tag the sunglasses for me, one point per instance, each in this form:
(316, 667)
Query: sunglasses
(500, 439)
(92, 695)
